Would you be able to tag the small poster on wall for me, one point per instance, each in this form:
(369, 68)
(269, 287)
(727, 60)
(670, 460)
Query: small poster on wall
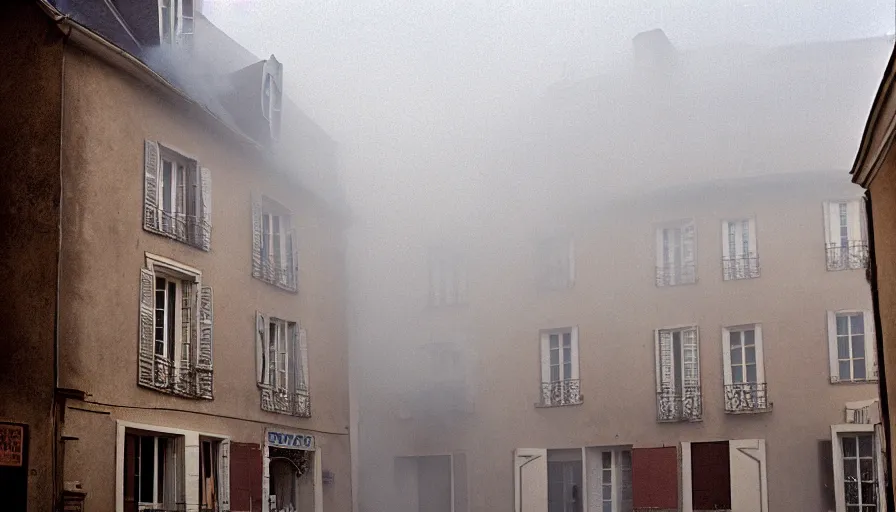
(12, 439)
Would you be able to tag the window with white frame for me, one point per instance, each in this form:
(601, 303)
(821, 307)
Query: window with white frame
(676, 251)
(556, 263)
(679, 393)
(851, 346)
(213, 475)
(740, 257)
(176, 21)
(858, 468)
(177, 196)
(845, 241)
(560, 367)
(615, 479)
(175, 349)
(274, 252)
(447, 278)
(282, 366)
(153, 471)
(744, 369)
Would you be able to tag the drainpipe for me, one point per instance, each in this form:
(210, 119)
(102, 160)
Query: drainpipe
(871, 274)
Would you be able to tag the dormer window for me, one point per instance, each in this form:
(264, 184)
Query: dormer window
(176, 21)
(272, 95)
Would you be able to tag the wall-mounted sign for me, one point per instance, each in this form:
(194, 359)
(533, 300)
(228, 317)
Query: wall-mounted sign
(290, 440)
(12, 439)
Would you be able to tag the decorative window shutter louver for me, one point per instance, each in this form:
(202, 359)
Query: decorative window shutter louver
(256, 237)
(664, 362)
(261, 365)
(688, 250)
(147, 349)
(832, 347)
(292, 259)
(204, 349)
(301, 344)
(224, 476)
(151, 186)
(205, 190)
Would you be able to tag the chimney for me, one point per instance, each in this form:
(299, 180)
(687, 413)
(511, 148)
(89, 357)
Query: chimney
(652, 49)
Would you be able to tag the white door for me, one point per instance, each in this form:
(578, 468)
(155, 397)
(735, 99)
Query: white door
(749, 486)
(530, 478)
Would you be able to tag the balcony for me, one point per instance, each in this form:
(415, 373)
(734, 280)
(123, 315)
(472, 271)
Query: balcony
(740, 268)
(672, 275)
(560, 393)
(852, 255)
(282, 276)
(675, 406)
(747, 398)
(284, 402)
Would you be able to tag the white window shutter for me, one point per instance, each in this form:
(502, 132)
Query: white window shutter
(292, 259)
(664, 370)
(690, 347)
(760, 355)
(261, 352)
(660, 248)
(871, 369)
(150, 186)
(205, 198)
(572, 263)
(832, 346)
(224, 475)
(689, 247)
(303, 383)
(754, 247)
(726, 250)
(726, 356)
(574, 353)
(832, 222)
(256, 237)
(545, 358)
(147, 332)
(204, 346)
(854, 220)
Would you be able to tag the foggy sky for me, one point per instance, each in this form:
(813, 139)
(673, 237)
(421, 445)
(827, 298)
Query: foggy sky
(407, 87)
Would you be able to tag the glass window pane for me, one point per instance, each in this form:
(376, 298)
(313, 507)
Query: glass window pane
(849, 450)
(858, 346)
(868, 493)
(865, 446)
(857, 323)
(567, 339)
(736, 356)
(737, 374)
(607, 477)
(567, 371)
(608, 506)
(555, 373)
(843, 347)
(749, 337)
(147, 465)
(606, 460)
(555, 356)
(750, 354)
(555, 341)
(607, 491)
(842, 325)
(866, 469)
(735, 339)
(567, 354)
(858, 369)
(844, 370)
(751, 373)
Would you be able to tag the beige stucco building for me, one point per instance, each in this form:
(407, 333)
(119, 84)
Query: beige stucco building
(183, 342)
(682, 343)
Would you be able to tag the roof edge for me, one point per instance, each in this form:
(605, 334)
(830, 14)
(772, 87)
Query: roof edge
(877, 137)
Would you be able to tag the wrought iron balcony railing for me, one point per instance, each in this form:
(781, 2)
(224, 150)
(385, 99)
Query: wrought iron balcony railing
(561, 392)
(671, 275)
(684, 405)
(740, 268)
(189, 229)
(284, 402)
(747, 398)
(282, 275)
(851, 256)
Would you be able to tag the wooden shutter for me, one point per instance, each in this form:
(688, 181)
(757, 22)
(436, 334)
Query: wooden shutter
(726, 356)
(245, 477)
(205, 207)
(726, 249)
(292, 259)
(690, 349)
(749, 490)
(461, 496)
(711, 476)
(655, 478)
(826, 480)
(664, 371)
(262, 375)
(302, 383)
(871, 370)
(530, 479)
(832, 223)
(854, 220)
(224, 475)
(147, 333)
(753, 245)
(150, 186)
(256, 237)
(204, 345)
(688, 253)
(832, 347)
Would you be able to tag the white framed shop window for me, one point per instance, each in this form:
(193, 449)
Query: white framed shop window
(176, 465)
(280, 439)
(849, 454)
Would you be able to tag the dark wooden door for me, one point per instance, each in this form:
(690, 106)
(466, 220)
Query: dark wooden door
(14, 466)
(711, 476)
(655, 478)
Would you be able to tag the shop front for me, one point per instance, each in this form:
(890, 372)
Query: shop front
(292, 472)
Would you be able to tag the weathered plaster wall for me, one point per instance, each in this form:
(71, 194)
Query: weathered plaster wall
(108, 115)
(31, 51)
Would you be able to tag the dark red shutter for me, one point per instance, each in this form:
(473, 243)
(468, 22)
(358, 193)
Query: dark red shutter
(655, 478)
(245, 477)
(711, 476)
(130, 467)
(826, 467)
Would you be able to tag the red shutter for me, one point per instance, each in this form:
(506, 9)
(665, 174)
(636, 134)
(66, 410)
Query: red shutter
(655, 478)
(130, 466)
(245, 477)
(711, 476)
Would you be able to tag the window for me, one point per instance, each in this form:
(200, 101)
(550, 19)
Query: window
(740, 259)
(282, 366)
(614, 477)
(745, 386)
(845, 241)
(274, 256)
(177, 196)
(679, 396)
(447, 279)
(676, 254)
(176, 21)
(857, 468)
(851, 346)
(175, 329)
(560, 367)
(213, 475)
(556, 263)
(272, 95)
(153, 467)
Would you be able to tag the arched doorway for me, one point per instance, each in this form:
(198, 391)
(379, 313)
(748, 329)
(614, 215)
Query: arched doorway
(291, 486)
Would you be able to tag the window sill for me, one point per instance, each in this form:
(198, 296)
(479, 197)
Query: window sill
(854, 382)
(758, 410)
(540, 405)
(178, 237)
(287, 287)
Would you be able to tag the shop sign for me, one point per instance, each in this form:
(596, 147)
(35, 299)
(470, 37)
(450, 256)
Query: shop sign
(290, 440)
(12, 439)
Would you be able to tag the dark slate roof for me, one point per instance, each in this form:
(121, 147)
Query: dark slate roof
(304, 152)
